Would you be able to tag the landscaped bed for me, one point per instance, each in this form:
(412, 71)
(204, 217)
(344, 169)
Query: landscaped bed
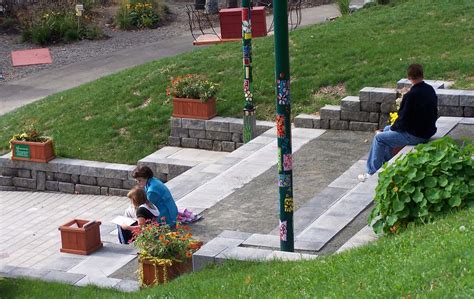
(124, 117)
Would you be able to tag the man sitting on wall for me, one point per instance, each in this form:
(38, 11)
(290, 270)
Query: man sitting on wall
(415, 124)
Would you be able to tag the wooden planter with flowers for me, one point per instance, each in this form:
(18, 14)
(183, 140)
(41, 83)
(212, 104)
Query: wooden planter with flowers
(193, 97)
(32, 151)
(163, 254)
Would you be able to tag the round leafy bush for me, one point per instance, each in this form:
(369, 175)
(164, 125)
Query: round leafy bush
(432, 179)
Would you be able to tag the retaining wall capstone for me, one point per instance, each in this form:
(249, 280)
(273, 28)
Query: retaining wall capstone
(217, 134)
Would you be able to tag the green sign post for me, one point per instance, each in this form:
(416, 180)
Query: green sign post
(283, 122)
(249, 108)
(22, 151)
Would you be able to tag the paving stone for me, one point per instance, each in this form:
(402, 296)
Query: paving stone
(364, 94)
(221, 136)
(239, 144)
(40, 180)
(109, 182)
(355, 115)
(24, 183)
(8, 188)
(189, 142)
(381, 95)
(364, 236)
(62, 177)
(304, 121)
(228, 146)
(87, 189)
(126, 285)
(317, 122)
(362, 126)
(206, 254)
(88, 180)
(374, 117)
(6, 181)
(335, 124)
(324, 123)
(448, 97)
(217, 146)
(7, 171)
(179, 132)
(308, 245)
(103, 282)
(174, 141)
(24, 173)
(435, 84)
(118, 192)
(175, 122)
(52, 186)
(49, 176)
(65, 187)
(27, 272)
(370, 106)
(244, 254)
(350, 103)
(197, 133)
(262, 240)
(450, 111)
(466, 99)
(217, 125)
(236, 137)
(230, 234)
(63, 277)
(195, 124)
(330, 112)
(236, 127)
(402, 83)
(388, 106)
(290, 256)
(468, 111)
(104, 190)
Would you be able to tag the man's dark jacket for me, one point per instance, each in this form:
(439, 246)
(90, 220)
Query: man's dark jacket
(418, 112)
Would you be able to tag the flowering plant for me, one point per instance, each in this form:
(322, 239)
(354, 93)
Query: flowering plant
(157, 240)
(192, 87)
(30, 133)
(398, 101)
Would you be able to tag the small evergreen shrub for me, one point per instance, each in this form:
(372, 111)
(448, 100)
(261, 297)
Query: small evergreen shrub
(429, 181)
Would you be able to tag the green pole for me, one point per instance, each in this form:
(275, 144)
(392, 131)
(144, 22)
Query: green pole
(283, 122)
(249, 108)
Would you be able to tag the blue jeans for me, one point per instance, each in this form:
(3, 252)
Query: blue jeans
(383, 144)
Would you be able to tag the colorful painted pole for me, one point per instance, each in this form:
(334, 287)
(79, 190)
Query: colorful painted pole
(283, 122)
(249, 108)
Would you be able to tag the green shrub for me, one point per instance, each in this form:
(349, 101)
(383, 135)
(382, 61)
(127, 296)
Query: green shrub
(139, 14)
(343, 6)
(432, 179)
(60, 26)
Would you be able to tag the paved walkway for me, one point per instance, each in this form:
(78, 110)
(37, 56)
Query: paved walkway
(17, 93)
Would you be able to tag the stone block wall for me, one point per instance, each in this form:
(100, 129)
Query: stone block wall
(370, 110)
(217, 134)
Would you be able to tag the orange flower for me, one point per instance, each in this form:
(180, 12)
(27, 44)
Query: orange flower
(189, 254)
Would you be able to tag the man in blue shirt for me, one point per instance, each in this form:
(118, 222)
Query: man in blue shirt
(416, 122)
(158, 194)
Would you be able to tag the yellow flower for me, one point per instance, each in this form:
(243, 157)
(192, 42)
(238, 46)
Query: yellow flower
(393, 117)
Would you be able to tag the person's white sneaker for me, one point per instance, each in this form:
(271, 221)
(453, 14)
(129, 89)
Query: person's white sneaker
(363, 177)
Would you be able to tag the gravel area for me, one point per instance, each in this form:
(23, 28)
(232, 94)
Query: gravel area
(65, 54)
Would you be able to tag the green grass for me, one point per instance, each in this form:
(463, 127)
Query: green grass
(106, 120)
(431, 261)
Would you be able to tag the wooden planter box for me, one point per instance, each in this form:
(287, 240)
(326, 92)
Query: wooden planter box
(32, 151)
(192, 108)
(80, 236)
(231, 22)
(152, 273)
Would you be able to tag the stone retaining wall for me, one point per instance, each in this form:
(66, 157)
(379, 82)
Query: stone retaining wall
(370, 110)
(217, 134)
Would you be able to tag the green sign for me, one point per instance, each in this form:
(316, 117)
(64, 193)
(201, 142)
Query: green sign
(22, 151)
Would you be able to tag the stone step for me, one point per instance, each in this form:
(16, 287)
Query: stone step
(248, 164)
(363, 237)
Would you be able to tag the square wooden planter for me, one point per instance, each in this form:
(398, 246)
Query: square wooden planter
(153, 273)
(32, 151)
(80, 236)
(194, 108)
(231, 22)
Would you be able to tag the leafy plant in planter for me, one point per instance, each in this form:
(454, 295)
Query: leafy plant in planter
(434, 178)
(32, 146)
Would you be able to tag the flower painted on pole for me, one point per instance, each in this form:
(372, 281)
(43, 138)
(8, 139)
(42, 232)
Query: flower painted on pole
(287, 162)
(280, 124)
(283, 230)
(289, 204)
(283, 92)
(284, 180)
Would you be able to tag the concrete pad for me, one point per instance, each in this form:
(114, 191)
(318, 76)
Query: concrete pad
(63, 277)
(126, 285)
(103, 282)
(31, 57)
(364, 236)
(290, 256)
(244, 254)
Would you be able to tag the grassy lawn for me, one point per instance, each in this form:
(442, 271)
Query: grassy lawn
(124, 117)
(431, 261)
